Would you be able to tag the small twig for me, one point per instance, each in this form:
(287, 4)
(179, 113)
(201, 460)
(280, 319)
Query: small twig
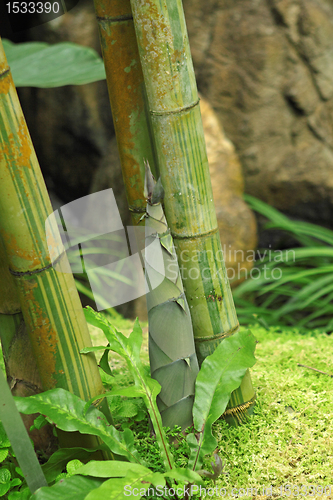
(315, 369)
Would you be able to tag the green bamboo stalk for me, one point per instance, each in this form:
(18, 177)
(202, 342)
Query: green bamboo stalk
(21, 369)
(176, 371)
(173, 361)
(127, 98)
(174, 107)
(49, 300)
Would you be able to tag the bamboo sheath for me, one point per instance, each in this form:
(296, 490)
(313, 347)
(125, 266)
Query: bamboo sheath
(174, 108)
(49, 301)
(173, 360)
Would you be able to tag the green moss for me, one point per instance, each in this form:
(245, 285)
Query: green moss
(288, 439)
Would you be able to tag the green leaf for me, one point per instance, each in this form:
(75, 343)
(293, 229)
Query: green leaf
(57, 462)
(185, 476)
(23, 494)
(72, 466)
(69, 488)
(39, 422)
(104, 363)
(38, 64)
(221, 373)
(3, 454)
(110, 468)
(5, 476)
(15, 482)
(116, 489)
(4, 488)
(129, 348)
(4, 441)
(66, 411)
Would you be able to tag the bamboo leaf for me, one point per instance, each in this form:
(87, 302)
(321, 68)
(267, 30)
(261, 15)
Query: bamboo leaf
(148, 388)
(221, 373)
(66, 410)
(38, 64)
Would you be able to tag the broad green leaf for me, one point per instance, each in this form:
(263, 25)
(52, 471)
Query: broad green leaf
(38, 64)
(69, 488)
(57, 462)
(66, 411)
(221, 373)
(110, 468)
(129, 348)
(134, 484)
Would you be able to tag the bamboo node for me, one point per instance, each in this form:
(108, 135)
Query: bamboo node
(4, 73)
(176, 111)
(30, 273)
(195, 235)
(116, 19)
(219, 336)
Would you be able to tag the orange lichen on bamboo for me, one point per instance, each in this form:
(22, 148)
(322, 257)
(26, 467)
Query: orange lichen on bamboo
(6, 83)
(123, 71)
(17, 149)
(45, 338)
(32, 260)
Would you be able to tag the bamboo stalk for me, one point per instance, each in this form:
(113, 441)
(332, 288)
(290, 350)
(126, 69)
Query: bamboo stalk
(174, 107)
(49, 300)
(177, 370)
(21, 369)
(127, 98)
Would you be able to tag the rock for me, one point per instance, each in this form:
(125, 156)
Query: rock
(266, 67)
(235, 220)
